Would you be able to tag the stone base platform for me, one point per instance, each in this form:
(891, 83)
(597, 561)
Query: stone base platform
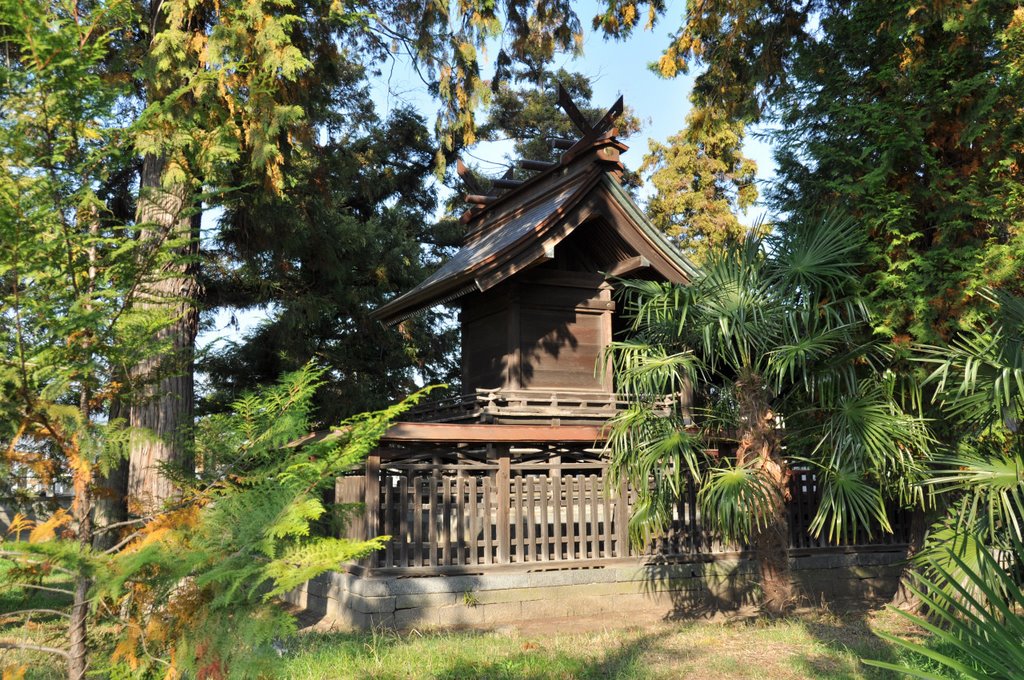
(668, 591)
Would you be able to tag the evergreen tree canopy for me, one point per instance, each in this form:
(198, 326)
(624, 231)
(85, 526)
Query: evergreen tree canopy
(906, 116)
(356, 228)
(918, 131)
(701, 180)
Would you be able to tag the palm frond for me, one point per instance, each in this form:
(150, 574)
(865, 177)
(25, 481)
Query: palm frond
(659, 456)
(868, 431)
(818, 257)
(979, 377)
(737, 500)
(991, 487)
(645, 371)
(849, 505)
(978, 612)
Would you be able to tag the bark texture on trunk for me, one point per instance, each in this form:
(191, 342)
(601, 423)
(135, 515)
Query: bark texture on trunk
(161, 413)
(78, 649)
(82, 510)
(759, 447)
(111, 491)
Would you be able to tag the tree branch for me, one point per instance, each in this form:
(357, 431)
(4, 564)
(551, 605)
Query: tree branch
(125, 541)
(62, 591)
(24, 556)
(28, 612)
(117, 525)
(6, 644)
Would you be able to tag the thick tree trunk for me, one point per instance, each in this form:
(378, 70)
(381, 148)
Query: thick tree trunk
(771, 545)
(81, 508)
(111, 494)
(759, 447)
(111, 505)
(161, 413)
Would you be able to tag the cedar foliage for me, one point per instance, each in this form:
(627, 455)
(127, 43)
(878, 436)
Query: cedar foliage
(197, 585)
(918, 130)
(701, 181)
(355, 229)
(191, 592)
(71, 271)
(905, 115)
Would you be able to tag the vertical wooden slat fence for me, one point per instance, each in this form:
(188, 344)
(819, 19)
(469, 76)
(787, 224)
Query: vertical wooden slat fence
(484, 519)
(500, 512)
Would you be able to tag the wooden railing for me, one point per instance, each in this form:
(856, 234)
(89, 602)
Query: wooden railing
(495, 404)
(539, 514)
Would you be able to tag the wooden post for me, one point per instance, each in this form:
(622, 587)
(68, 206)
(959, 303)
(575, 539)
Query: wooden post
(513, 376)
(622, 520)
(372, 499)
(503, 481)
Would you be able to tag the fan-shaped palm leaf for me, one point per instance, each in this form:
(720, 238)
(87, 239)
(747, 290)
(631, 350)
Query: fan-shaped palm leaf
(738, 499)
(991, 488)
(979, 614)
(818, 258)
(848, 505)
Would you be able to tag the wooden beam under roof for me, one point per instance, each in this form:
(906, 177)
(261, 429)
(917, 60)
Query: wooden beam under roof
(498, 434)
(628, 266)
(527, 164)
(502, 183)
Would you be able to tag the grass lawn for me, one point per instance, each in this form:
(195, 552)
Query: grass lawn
(814, 645)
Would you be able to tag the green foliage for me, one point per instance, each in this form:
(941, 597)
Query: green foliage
(446, 42)
(918, 132)
(739, 498)
(977, 617)
(245, 535)
(701, 181)
(914, 129)
(763, 334)
(978, 384)
(356, 229)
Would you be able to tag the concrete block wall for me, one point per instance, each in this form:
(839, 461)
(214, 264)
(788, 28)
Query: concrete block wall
(680, 590)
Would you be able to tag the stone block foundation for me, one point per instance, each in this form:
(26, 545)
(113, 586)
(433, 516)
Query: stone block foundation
(675, 590)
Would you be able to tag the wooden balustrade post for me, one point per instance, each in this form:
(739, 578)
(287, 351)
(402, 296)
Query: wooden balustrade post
(503, 482)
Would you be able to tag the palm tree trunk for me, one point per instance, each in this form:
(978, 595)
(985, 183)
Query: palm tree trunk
(161, 413)
(771, 545)
(759, 445)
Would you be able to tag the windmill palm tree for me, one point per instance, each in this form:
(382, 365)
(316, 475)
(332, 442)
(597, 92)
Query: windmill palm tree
(776, 345)
(970, 578)
(979, 384)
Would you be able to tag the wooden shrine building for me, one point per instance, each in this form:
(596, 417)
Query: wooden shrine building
(500, 492)
(532, 282)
